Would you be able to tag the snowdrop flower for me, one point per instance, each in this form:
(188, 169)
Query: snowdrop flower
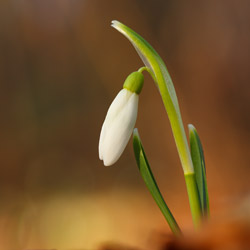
(120, 120)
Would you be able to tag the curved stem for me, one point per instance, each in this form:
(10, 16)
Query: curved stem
(148, 70)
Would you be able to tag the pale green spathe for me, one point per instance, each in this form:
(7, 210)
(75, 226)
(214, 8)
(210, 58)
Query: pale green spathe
(134, 82)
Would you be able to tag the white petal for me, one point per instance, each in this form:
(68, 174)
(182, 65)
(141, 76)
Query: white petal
(117, 104)
(118, 126)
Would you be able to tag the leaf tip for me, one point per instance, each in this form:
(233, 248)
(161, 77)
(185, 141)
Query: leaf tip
(114, 23)
(118, 26)
(135, 132)
(191, 127)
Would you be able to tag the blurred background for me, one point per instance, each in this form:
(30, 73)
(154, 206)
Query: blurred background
(61, 65)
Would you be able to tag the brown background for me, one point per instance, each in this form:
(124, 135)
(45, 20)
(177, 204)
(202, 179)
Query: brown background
(61, 65)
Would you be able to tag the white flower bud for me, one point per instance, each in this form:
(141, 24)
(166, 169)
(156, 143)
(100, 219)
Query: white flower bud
(118, 126)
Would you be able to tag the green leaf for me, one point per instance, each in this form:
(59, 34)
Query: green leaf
(159, 73)
(199, 168)
(151, 184)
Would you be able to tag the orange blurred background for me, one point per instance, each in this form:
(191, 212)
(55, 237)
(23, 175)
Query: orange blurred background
(61, 65)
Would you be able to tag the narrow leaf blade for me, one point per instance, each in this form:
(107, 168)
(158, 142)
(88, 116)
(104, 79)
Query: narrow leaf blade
(199, 167)
(151, 184)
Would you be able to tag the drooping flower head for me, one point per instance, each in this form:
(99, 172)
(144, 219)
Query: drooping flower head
(120, 120)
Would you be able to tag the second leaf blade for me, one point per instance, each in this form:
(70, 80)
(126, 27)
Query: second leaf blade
(199, 167)
(151, 184)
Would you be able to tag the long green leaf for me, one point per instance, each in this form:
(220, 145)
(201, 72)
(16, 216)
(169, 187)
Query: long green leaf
(151, 184)
(199, 167)
(165, 85)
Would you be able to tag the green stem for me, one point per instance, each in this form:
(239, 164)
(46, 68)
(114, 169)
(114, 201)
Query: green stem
(148, 70)
(194, 200)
